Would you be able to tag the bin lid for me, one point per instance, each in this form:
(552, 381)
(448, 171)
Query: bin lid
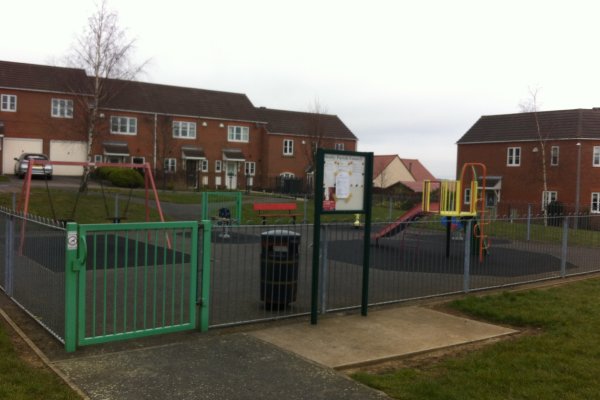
(280, 233)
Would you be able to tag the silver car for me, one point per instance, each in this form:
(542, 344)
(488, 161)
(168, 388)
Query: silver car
(22, 163)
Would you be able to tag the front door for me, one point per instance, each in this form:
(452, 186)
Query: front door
(231, 175)
(191, 173)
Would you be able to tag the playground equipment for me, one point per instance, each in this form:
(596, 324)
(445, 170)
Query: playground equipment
(451, 207)
(452, 203)
(23, 205)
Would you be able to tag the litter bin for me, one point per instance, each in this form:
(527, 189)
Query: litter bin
(279, 259)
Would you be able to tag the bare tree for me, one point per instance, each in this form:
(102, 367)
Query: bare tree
(104, 51)
(316, 131)
(531, 105)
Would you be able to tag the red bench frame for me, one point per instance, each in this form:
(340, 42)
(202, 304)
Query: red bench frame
(263, 210)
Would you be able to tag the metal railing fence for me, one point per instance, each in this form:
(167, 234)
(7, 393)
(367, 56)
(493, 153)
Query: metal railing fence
(32, 272)
(419, 262)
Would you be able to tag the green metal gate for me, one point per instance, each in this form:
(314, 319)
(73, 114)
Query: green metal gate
(132, 280)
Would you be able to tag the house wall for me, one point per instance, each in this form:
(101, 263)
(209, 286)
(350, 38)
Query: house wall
(524, 184)
(297, 163)
(393, 173)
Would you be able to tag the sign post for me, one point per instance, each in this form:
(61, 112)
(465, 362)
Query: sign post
(344, 181)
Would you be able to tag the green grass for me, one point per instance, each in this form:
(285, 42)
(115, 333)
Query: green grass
(91, 206)
(21, 381)
(562, 362)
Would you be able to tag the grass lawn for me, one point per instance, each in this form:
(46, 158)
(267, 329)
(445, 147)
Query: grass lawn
(561, 362)
(22, 381)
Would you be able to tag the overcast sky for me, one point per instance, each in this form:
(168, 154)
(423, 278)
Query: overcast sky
(407, 77)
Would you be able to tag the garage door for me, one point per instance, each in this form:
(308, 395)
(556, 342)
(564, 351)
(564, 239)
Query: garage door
(68, 150)
(13, 147)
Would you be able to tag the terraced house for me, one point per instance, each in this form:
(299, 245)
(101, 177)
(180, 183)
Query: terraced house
(517, 148)
(192, 137)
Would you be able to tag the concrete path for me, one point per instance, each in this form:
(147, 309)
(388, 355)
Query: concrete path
(349, 341)
(235, 366)
(262, 365)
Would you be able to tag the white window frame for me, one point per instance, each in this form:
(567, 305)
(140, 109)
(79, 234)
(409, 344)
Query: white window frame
(339, 146)
(61, 108)
(467, 196)
(128, 123)
(143, 160)
(170, 165)
(548, 196)
(596, 157)
(218, 166)
(288, 147)
(287, 175)
(238, 133)
(98, 158)
(184, 130)
(250, 168)
(513, 156)
(8, 102)
(595, 203)
(554, 155)
(204, 165)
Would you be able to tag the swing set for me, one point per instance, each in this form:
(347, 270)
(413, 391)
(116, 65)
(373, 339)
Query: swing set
(23, 204)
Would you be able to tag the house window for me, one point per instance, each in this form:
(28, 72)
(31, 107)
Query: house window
(513, 156)
(8, 102)
(170, 164)
(250, 168)
(339, 146)
(184, 130)
(595, 208)
(138, 160)
(554, 155)
(596, 161)
(238, 133)
(467, 198)
(548, 197)
(288, 147)
(123, 125)
(204, 165)
(287, 175)
(218, 166)
(62, 108)
(98, 158)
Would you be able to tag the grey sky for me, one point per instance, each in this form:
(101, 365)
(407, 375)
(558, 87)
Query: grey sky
(407, 77)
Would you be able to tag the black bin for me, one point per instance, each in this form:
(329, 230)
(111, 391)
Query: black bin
(279, 259)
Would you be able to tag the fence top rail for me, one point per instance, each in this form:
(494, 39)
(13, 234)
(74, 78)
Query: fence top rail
(36, 219)
(131, 226)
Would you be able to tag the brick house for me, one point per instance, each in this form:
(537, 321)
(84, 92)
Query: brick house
(291, 141)
(511, 148)
(197, 137)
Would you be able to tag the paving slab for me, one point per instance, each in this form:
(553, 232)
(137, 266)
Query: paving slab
(232, 366)
(354, 340)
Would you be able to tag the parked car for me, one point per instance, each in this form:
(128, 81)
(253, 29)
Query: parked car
(22, 163)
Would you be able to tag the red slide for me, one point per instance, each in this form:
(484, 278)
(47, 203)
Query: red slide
(401, 223)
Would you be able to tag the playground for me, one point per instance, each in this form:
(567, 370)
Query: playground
(146, 279)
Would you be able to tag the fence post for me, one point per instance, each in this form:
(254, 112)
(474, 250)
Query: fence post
(71, 280)
(324, 270)
(9, 255)
(528, 222)
(305, 220)
(467, 257)
(205, 299)
(563, 255)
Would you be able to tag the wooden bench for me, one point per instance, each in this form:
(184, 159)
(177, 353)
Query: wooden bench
(276, 210)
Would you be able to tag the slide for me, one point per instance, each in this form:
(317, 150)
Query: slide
(401, 223)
